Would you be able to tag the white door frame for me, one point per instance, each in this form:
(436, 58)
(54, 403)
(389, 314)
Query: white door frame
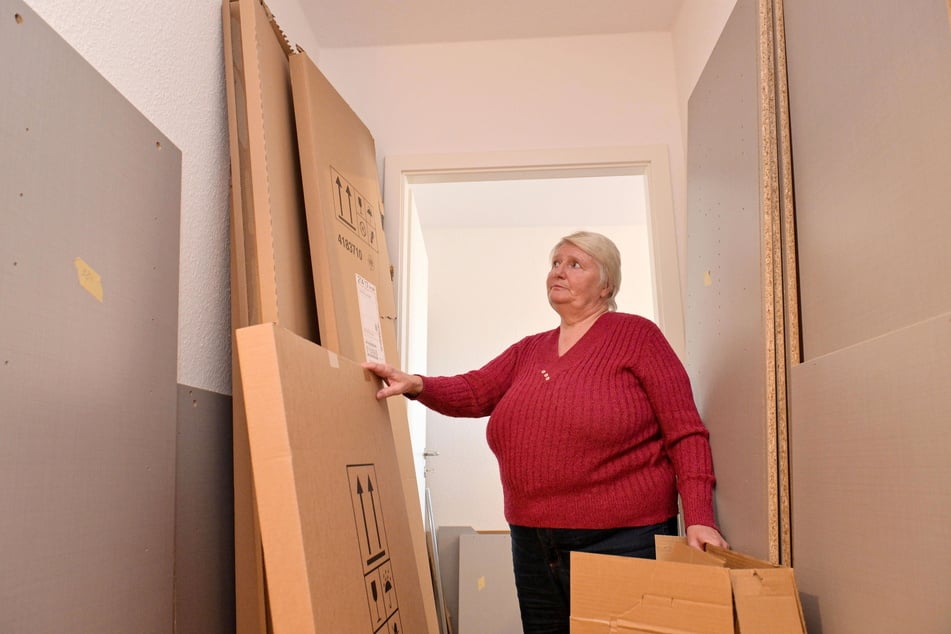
(651, 161)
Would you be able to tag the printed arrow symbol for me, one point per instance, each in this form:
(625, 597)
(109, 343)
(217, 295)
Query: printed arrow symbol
(363, 510)
(376, 520)
(350, 203)
(340, 196)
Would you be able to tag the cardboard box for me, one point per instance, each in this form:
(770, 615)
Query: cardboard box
(356, 305)
(271, 277)
(351, 267)
(683, 591)
(336, 533)
(271, 271)
(345, 293)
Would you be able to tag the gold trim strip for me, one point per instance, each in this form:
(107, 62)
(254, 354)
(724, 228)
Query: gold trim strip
(772, 263)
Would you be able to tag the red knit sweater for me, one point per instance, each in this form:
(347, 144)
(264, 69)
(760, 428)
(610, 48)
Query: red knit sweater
(602, 437)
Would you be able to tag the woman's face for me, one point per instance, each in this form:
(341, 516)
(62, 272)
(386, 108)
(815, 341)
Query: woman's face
(574, 280)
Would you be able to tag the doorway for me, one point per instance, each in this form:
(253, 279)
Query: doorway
(473, 254)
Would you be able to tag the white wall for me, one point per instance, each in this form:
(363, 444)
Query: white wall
(695, 34)
(510, 95)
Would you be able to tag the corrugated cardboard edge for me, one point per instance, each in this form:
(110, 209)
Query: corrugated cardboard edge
(237, 128)
(673, 548)
(256, 210)
(250, 601)
(736, 559)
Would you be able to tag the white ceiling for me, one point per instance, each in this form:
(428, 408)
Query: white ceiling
(347, 23)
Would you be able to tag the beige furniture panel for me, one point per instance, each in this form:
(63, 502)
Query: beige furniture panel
(870, 88)
(89, 228)
(726, 333)
(872, 507)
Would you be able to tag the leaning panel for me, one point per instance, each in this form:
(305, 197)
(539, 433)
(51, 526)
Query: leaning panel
(336, 533)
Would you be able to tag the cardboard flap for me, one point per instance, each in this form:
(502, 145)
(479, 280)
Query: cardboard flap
(767, 601)
(734, 559)
(623, 594)
(673, 548)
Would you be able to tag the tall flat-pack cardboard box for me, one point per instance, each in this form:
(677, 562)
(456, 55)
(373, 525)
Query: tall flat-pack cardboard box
(356, 305)
(336, 533)
(351, 266)
(683, 591)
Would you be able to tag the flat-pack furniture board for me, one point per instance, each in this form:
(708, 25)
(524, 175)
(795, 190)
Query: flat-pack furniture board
(726, 332)
(90, 206)
(870, 403)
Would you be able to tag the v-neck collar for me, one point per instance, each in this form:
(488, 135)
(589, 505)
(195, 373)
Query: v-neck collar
(575, 352)
(550, 365)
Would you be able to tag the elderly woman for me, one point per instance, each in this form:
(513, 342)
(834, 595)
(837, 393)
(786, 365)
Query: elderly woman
(595, 430)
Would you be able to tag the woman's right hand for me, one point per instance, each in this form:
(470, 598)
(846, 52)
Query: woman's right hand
(394, 381)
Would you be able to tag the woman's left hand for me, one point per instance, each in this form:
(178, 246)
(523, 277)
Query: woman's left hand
(699, 536)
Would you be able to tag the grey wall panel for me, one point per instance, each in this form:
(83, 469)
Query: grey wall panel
(90, 198)
(204, 514)
(724, 327)
(870, 445)
(869, 89)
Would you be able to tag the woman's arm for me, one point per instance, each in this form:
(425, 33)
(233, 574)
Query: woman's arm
(471, 395)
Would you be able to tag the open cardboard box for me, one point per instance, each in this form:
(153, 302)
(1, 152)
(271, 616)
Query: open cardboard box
(684, 590)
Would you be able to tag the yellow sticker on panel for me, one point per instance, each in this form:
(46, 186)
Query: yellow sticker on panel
(88, 278)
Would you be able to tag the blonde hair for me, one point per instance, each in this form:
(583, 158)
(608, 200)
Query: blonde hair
(605, 253)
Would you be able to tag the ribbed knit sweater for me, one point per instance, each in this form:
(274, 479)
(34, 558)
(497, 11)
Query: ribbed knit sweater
(602, 437)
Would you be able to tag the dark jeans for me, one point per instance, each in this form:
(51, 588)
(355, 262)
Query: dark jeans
(541, 560)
